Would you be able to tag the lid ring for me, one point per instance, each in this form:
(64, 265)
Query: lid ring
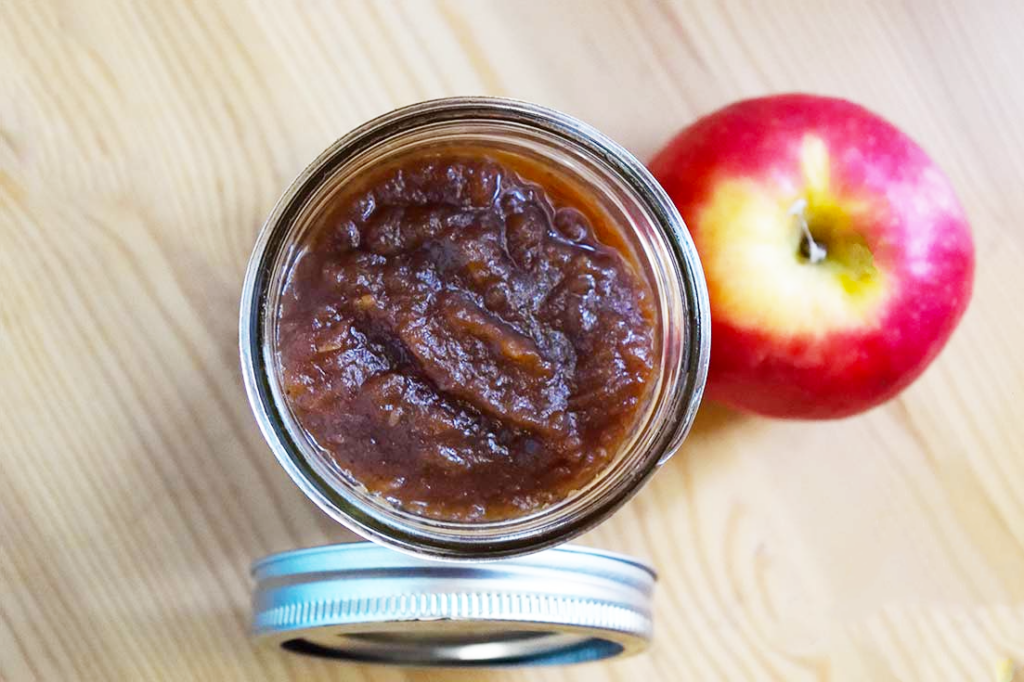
(363, 603)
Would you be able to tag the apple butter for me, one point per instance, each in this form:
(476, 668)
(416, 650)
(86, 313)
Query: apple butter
(466, 334)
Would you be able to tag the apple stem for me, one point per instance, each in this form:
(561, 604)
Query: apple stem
(812, 250)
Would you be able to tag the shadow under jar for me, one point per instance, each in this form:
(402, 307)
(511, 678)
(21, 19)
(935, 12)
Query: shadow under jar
(473, 328)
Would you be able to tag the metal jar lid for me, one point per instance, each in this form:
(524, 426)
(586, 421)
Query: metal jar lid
(366, 603)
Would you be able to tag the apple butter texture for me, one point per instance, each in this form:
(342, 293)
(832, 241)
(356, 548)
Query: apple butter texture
(462, 342)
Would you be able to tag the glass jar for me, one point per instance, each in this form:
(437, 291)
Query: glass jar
(634, 201)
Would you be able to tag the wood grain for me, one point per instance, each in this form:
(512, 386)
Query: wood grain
(141, 145)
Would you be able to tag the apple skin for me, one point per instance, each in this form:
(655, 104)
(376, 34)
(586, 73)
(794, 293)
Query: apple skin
(803, 340)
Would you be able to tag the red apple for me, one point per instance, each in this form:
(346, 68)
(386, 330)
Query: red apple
(837, 256)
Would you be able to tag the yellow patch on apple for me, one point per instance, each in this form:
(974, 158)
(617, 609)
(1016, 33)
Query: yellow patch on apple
(753, 231)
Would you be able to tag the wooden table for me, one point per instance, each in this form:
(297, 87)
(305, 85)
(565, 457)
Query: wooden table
(141, 146)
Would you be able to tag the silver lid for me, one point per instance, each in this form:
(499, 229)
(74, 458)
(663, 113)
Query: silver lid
(363, 602)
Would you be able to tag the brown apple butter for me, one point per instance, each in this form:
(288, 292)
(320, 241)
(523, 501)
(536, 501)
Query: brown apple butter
(466, 334)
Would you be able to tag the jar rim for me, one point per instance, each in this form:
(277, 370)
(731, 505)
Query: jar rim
(272, 238)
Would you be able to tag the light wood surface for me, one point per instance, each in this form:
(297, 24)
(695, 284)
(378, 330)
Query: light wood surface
(141, 145)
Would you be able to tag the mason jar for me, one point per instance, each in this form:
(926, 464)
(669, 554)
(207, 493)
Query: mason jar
(633, 200)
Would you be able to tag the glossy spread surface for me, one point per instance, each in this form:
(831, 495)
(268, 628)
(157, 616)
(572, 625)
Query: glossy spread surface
(466, 334)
